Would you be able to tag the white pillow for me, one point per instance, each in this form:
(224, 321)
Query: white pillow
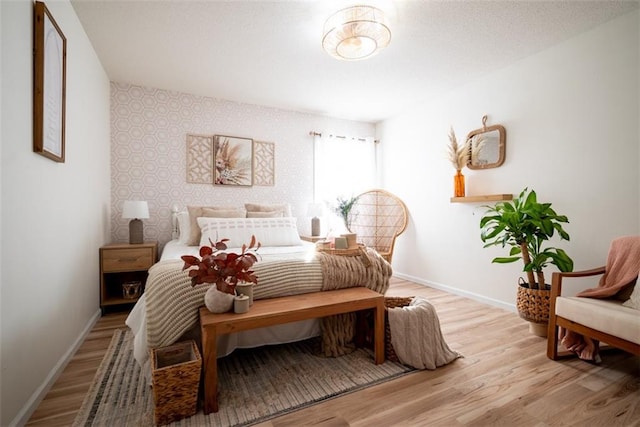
(634, 299)
(184, 226)
(268, 231)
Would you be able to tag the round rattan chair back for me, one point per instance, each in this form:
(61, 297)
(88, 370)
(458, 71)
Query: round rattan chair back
(378, 217)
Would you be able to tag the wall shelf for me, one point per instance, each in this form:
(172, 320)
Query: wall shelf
(484, 198)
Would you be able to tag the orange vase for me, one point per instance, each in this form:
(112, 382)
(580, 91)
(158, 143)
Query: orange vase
(458, 184)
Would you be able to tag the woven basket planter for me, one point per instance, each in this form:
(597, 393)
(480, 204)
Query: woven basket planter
(533, 304)
(392, 302)
(175, 374)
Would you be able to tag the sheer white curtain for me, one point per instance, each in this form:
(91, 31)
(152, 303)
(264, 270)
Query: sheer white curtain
(343, 167)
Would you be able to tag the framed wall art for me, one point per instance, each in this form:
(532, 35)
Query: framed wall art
(233, 161)
(49, 85)
(199, 159)
(264, 163)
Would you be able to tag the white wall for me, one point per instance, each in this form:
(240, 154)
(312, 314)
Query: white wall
(54, 216)
(571, 116)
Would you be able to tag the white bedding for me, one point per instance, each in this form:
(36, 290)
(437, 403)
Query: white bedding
(226, 344)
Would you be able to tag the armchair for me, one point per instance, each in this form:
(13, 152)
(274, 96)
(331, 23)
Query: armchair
(378, 217)
(598, 314)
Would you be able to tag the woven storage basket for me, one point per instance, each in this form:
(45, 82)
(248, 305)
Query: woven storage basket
(392, 302)
(175, 374)
(533, 304)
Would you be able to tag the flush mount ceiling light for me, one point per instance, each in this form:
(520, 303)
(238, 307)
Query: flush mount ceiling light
(356, 32)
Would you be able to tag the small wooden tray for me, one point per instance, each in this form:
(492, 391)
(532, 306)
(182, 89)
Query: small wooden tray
(343, 252)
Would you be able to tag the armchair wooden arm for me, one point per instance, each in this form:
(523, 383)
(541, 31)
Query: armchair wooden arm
(556, 291)
(556, 280)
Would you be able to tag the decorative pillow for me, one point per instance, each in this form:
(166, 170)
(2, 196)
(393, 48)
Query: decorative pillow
(184, 226)
(270, 214)
(634, 299)
(285, 208)
(268, 231)
(223, 213)
(197, 211)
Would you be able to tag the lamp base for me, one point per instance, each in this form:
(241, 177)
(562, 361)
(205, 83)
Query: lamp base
(135, 232)
(315, 226)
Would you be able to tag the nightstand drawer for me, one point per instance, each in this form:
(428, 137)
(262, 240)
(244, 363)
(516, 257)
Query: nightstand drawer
(130, 259)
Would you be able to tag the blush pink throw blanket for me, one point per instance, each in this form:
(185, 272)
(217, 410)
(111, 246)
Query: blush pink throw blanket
(623, 265)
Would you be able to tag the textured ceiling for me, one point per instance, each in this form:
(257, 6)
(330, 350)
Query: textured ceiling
(269, 53)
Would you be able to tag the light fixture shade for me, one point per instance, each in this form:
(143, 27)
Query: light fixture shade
(356, 32)
(135, 209)
(314, 209)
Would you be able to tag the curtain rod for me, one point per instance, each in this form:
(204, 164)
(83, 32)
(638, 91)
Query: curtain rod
(314, 133)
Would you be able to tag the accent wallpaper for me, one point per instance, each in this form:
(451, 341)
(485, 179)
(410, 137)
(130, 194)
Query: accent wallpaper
(149, 130)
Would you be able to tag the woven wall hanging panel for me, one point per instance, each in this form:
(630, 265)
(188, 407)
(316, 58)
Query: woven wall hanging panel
(264, 163)
(199, 159)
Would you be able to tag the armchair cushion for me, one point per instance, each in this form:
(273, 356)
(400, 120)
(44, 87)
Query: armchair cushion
(605, 315)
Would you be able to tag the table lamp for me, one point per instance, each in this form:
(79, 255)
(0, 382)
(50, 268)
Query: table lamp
(315, 210)
(135, 210)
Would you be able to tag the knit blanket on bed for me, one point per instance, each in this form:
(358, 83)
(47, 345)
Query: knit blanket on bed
(172, 303)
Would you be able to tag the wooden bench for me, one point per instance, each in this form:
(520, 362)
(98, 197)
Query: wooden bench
(276, 311)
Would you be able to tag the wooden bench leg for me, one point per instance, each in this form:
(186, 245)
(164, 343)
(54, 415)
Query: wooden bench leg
(379, 331)
(210, 369)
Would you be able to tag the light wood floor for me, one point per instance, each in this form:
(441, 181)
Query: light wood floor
(504, 379)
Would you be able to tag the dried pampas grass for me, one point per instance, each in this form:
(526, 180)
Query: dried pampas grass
(458, 155)
(477, 144)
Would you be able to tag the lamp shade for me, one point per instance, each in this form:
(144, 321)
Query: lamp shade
(356, 32)
(314, 209)
(135, 209)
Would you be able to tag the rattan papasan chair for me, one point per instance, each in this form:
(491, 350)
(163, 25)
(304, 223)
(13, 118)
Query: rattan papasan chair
(378, 217)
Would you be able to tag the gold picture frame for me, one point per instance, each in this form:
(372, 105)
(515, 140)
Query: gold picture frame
(49, 85)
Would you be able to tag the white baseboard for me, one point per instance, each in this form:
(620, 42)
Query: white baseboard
(461, 292)
(32, 404)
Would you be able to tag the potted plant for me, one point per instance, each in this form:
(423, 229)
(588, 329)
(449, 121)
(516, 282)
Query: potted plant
(525, 225)
(343, 207)
(225, 270)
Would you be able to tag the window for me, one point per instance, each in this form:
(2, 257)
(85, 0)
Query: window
(343, 167)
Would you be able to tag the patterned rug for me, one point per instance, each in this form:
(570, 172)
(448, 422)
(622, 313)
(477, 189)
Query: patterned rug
(255, 385)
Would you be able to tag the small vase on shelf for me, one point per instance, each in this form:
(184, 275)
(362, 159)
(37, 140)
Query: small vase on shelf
(458, 184)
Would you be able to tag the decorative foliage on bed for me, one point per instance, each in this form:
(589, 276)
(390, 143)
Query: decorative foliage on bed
(225, 269)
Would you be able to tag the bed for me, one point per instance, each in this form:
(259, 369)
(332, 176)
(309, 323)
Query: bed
(168, 310)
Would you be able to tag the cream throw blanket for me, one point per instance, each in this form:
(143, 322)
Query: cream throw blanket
(416, 336)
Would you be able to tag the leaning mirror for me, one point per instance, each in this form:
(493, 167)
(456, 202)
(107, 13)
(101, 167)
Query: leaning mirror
(487, 146)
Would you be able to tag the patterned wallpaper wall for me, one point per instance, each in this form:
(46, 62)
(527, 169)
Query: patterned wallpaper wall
(148, 153)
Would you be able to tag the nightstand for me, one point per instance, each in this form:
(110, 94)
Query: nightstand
(311, 238)
(122, 263)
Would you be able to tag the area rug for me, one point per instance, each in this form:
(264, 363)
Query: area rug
(255, 385)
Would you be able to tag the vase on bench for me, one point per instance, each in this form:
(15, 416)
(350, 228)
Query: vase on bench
(218, 301)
